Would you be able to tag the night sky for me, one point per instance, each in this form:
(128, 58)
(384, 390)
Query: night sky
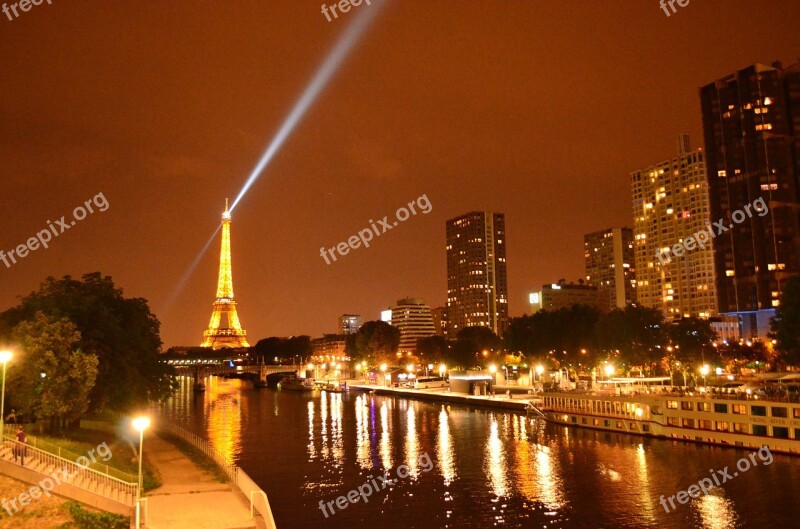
(537, 109)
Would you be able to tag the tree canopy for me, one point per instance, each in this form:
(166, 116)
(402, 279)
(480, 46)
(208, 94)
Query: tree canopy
(53, 377)
(376, 342)
(120, 332)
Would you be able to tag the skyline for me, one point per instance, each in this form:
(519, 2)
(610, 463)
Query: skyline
(554, 157)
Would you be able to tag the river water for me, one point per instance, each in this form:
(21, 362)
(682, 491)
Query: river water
(469, 468)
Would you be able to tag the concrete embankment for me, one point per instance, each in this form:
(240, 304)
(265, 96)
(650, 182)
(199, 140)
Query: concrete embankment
(517, 404)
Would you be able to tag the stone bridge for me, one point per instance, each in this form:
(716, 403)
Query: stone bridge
(259, 374)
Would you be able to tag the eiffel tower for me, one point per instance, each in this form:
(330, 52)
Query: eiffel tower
(232, 335)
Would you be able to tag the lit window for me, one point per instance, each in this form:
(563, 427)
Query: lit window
(729, 273)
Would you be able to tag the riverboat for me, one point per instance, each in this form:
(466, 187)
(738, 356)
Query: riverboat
(296, 384)
(745, 419)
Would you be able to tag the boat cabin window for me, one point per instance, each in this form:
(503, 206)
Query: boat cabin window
(722, 426)
(740, 409)
(703, 406)
(759, 411)
(704, 425)
(759, 429)
(686, 405)
(780, 431)
(779, 411)
(739, 427)
(720, 408)
(672, 404)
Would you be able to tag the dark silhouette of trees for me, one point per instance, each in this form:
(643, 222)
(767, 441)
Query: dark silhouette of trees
(432, 349)
(786, 323)
(376, 342)
(284, 349)
(121, 332)
(469, 346)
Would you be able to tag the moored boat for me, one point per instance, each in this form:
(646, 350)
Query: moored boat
(744, 420)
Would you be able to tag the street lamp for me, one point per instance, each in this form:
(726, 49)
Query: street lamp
(539, 371)
(442, 369)
(704, 371)
(5, 357)
(609, 369)
(140, 424)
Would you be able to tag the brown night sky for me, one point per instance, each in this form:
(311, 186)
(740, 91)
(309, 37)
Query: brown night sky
(538, 109)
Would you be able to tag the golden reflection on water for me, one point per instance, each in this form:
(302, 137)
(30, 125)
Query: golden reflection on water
(362, 432)
(645, 502)
(412, 443)
(312, 450)
(495, 460)
(445, 449)
(337, 449)
(386, 444)
(223, 405)
(716, 512)
(548, 480)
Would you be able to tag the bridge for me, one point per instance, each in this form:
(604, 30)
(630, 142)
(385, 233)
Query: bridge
(259, 374)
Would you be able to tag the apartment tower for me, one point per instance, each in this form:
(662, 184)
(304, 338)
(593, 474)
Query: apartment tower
(477, 288)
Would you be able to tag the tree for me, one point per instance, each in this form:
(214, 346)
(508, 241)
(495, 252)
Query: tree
(470, 345)
(55, 376)
(633, 331)
(121, 332)
(284, 348)
(376, 342)
(432, 349)
(786, 323)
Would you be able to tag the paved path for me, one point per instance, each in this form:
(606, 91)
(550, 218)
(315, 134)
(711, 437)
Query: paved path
(189, 497)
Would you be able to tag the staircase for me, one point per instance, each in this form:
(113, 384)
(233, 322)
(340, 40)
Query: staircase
(41, 465)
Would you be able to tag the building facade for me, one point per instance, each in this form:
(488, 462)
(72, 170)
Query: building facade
(610, 264)
(350, 323)
(329, 348)
(440, 320)
(563, 295)
(751, 123)
(477, 287)
(414, 320)
(671, 204)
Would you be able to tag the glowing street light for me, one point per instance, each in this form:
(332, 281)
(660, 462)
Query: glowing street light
(140, 424)
(442, 369)
(383, 370)
(609, 369)
(704, 371)
(493, 369)
(5, 358)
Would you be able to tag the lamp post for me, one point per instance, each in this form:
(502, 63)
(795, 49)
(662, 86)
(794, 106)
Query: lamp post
(140, 424)
(442, 369)
(609, 369)
(539, 371)
(704, 371)
(5, 357)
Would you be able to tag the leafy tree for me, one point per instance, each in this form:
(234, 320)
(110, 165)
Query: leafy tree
(376, 342)
(471, 342)
(121, 332)
(635, 332)
(786, 323)
(432, 349)
(285, 349)
(55, 377)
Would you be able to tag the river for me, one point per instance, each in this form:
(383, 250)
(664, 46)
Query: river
(469, 468)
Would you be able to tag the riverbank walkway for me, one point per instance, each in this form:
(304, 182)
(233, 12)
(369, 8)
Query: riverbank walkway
(189, 497)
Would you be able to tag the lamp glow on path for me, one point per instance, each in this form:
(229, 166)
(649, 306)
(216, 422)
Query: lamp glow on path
(5, 358)
(140, 424)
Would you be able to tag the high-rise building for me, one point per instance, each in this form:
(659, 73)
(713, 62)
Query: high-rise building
(610, 266)
(440, 320)
(477, 288)
(350, 323)
(670, 204)
(751, 123)
(414, 320)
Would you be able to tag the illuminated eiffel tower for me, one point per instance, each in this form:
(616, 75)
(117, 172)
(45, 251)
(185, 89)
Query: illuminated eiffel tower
(232, 335)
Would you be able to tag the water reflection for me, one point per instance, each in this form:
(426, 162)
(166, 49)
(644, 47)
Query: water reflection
(445, 449)
(491, 469)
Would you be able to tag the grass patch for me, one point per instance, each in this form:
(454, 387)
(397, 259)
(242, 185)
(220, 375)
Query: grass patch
(76, 443)
(196, 456)
(84, 519)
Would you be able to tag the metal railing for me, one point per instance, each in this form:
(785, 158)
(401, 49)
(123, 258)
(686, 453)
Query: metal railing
(52, 448)
(74, 474)
(238, 477)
